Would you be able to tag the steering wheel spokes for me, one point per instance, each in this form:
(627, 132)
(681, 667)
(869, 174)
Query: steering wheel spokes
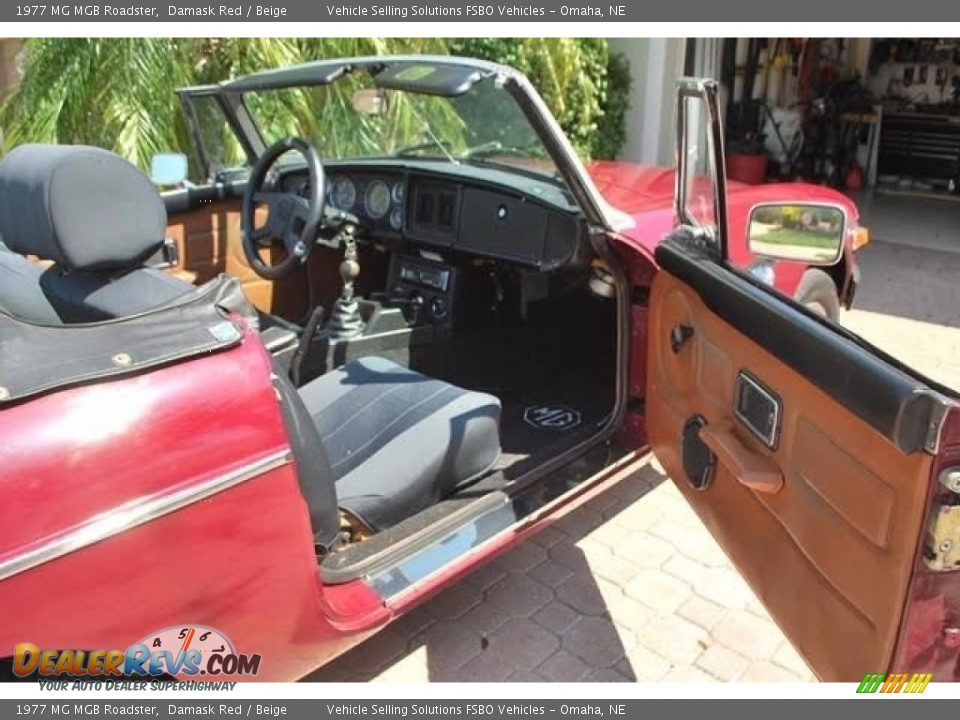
(291, 219)
(287, 216)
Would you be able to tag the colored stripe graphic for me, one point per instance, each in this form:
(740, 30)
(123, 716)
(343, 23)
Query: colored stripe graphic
(894, 683)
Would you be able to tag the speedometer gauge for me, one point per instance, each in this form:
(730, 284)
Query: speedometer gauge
(343, 193)
(377, 199)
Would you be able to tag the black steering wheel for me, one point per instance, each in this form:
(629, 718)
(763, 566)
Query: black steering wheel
(291, 220)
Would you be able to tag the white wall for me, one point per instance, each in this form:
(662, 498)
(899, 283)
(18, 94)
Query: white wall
(655, 63)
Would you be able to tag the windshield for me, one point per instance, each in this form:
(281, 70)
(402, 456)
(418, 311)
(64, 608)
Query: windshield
(482, 126)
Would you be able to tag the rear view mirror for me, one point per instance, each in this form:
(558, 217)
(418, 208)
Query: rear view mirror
(168, 168)
(807, 233)
(370, 101)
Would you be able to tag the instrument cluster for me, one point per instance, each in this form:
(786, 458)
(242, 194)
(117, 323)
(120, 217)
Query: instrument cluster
(377, 198)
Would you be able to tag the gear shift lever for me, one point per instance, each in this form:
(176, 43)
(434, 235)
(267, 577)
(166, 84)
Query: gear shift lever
(345, 321)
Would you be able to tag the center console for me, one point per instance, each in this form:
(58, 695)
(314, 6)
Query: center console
(424, 288)
(405, 324)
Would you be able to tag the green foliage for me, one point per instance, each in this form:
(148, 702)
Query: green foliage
(119, 93)
(612, 133)
(585, 86)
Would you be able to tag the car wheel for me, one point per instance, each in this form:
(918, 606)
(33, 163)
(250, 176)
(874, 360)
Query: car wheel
(818, 293)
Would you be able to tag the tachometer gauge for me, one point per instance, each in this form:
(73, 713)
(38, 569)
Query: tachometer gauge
(396, 219)
(396, 192)
(343, 193)
(377, 199)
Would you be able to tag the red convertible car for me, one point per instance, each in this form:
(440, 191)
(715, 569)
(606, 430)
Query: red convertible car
(248, 423)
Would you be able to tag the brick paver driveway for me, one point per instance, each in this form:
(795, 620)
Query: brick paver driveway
(632, 586)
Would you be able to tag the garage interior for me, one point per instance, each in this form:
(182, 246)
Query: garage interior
(878, 118)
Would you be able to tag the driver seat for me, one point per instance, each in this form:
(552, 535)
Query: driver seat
(97, 218)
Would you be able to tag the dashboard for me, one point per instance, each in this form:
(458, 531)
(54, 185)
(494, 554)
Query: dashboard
(531, 222)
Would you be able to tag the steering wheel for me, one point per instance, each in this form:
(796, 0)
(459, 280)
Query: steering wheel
(291, 220)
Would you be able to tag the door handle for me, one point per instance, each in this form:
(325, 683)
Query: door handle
(757, 472)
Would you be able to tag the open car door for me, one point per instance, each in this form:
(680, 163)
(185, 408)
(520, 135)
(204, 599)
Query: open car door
(812, 457)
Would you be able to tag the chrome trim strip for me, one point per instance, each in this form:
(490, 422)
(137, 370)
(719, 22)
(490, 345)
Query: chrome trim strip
(135, 513)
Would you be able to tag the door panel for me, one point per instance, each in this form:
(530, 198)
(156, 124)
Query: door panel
(829, 549)
(209, 242)
(207, 235)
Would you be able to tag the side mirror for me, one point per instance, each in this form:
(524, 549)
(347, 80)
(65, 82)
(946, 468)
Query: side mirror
(801, 232)
(370, 101)
(168, 168)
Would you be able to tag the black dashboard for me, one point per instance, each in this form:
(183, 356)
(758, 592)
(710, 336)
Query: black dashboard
(531, 222)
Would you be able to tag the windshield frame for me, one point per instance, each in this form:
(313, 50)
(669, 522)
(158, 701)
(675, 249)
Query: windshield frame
(569, 167)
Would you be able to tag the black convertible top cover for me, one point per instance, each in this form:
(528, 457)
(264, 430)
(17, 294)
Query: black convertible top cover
(40, 358)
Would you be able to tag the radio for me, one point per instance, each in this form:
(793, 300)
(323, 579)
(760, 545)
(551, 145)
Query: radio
(424, 287)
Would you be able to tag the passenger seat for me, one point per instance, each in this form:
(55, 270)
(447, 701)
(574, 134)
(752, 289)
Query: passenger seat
(98, 218)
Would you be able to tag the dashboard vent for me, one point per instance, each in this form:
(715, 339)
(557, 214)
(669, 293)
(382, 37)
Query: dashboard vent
(435, 209)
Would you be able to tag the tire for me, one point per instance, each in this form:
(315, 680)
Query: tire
(817, 292)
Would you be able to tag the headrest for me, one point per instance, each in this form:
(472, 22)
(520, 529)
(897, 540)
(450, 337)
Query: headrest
(82, 207)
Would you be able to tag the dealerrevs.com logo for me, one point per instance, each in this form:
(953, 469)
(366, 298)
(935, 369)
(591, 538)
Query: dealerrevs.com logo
(184, 652)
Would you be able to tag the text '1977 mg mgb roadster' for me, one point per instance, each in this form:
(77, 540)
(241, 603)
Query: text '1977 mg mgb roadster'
(248, 422)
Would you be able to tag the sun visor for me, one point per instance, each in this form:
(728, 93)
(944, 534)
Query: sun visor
(318, 73)
(429, 78)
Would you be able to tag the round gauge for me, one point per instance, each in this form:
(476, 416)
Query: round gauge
(377, 199)
(396, 192)
(343, 193)
(203, 640)
(396, 219)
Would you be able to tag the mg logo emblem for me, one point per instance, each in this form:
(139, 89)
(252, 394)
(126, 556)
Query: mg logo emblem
(551, 417)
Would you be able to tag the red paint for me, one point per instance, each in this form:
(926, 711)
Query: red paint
(645, 193)
(930, 630)
(241, 561)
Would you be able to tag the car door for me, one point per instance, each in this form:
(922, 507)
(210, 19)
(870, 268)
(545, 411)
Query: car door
(811, 456)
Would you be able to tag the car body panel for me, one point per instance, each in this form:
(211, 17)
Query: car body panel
(240, 560)
(646, 194)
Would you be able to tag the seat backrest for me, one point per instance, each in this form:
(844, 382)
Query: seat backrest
(317, 481)
(98, 218)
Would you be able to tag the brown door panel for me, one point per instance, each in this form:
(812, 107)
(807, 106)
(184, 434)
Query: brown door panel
(831, 552)
(209, 243)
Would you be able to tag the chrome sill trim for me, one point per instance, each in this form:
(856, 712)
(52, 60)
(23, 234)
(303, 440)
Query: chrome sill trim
(135, 513)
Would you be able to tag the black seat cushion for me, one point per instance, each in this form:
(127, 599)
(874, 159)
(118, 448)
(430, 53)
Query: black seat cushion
(20, 291)
(398, 441)
(92, 296)
(52, 297)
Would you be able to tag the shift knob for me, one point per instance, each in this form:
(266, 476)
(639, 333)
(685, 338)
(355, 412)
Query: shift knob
(349, 270)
